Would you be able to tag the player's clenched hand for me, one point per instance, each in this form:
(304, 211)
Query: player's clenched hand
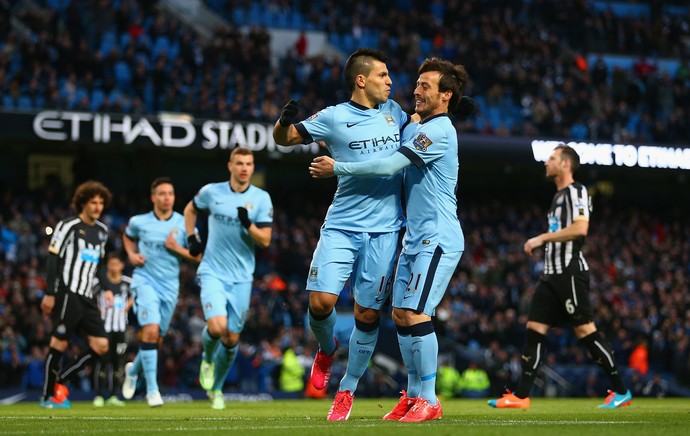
(108, 298)
(243, 216)
(47, 304)
(195, 245)
(289, 112)
(321, 167)
(136, 259)
(171, 242)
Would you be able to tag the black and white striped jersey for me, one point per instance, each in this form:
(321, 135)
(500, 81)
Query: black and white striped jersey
(569, 205)
(80, 248)
(115, 316)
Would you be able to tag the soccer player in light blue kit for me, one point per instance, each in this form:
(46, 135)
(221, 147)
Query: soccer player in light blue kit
(359, 237)
(240, 217)
(433, 242)
(155, 245)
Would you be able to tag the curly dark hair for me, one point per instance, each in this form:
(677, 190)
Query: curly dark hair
(86, 191)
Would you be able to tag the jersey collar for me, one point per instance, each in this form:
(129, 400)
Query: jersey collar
(445, 114)
(361, 106)
(238, 192)
(159, 218)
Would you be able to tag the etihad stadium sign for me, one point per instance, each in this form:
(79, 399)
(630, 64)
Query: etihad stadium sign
(164, 130)
(619, 155)
(174, 131)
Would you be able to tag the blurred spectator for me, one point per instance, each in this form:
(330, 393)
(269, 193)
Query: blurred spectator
(656, 387)
(639, 358)
(474, 382)
(447, 378)
(291, 373)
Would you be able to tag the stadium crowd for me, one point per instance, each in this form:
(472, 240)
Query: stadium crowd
(640, 271)
(528, 61)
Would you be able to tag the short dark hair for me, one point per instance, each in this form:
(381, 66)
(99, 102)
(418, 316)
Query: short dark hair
(88, 190)
(115, 255)
(453, 78)
(360, 62)
(160, 181)
(242, 151)
(568, 152)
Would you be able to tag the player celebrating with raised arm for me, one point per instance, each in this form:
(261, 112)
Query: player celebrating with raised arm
(154, 242)
(359, 236)
(434, 241)
(562, 293)
(74, 260)
(240, 217)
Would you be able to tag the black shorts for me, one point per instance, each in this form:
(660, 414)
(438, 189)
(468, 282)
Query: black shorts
(562, 298)
(76, 314)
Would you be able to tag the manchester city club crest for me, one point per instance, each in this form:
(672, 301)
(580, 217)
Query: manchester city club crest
(422, 142)
(313, 274)
(389, 119)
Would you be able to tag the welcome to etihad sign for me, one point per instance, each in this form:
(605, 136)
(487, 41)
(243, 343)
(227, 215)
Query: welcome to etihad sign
(174, 131)
(621, 155)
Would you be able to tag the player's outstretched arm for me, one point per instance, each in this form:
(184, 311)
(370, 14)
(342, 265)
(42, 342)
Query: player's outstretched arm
(324, 166)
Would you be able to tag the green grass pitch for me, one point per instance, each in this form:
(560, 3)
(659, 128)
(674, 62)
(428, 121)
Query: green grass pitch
(559, 417)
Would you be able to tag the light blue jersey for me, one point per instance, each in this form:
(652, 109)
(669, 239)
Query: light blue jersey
(430, 184)
(162, 268)
(229, 253)
(355, 133)
(430, 187)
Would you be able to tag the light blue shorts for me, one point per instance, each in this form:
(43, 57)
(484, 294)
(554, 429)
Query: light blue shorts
(421, 279)
(152, 309)
(231, 300)
(366, 259)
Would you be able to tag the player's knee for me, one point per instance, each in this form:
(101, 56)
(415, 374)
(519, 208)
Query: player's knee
(217, 330)
(150, 333)
(366, 315)
(408, 317)
(584, 330)
(100, 346)
(321, 303)
(230, 339)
